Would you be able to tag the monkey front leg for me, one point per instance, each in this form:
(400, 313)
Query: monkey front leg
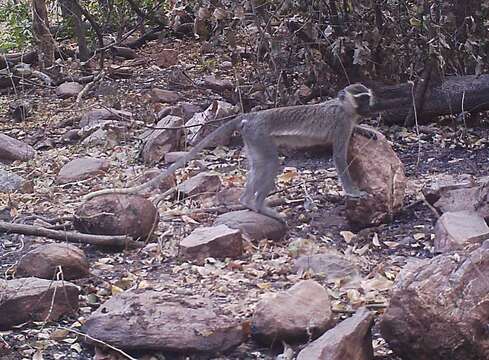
(340, 151)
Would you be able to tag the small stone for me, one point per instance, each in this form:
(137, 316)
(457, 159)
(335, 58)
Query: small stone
(331, 265)
(166, 58)
(217, 241)
(454, 230)
(293, 315)
(256, 226)
(10, 182)
(81, 169)
(165, 96)
(203, 183)
(68, 89)
(12, 149)
(172, 156)
(44, 260)
(161, 141)
(32, 299)
(351, 339)
(218, 85)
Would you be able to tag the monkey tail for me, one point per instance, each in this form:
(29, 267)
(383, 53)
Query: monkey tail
(210, 139)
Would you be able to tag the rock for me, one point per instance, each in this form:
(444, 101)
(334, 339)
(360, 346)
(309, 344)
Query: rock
(20, 109)
(293, 315)
(105, 136)
(229, 196)
(376, 169)
(71, 136)
(123, 52)
(203, 183)
(216, 241)
(10, 182)
(32, 299)
(218, 85)
(331, 265)
(349, 340)
(443, 183)
(120, 72)
(254, 225)
(166, 184)
(165, 322)
(460, 194)
(166, 58)
(68, 89)
(81, 169)
(165, 96)
(162, 141)
(454, 230)
(172, 156)
(117, 214)
(12, 149)
(217, 110)
(226, 65)
(43, 261)
(439, 308)
(97, 117)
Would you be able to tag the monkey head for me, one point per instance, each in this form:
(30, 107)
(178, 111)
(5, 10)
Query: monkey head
(359, 97)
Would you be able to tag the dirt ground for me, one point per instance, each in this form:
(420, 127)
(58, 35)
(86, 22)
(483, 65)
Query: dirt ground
(446, 148)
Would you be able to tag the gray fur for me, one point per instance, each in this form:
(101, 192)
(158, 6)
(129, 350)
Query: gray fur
(328, 123)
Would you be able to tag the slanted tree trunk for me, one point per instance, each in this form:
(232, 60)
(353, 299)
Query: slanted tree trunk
(72, 12)
(42, 35)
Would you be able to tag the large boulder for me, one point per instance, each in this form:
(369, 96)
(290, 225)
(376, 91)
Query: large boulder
(12, 149)
(349, 340)
(117, 214)
(376, 169)
(32, 299)
(44, 260)
(293, 315)
(440, 308)
(81, 169)
(146, 320)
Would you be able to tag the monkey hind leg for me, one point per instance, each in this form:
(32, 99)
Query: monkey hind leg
(263, 168)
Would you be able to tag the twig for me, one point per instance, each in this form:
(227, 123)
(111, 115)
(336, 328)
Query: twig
(100, 240)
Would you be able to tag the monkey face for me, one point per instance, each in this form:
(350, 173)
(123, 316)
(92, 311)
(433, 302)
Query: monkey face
(359, 97)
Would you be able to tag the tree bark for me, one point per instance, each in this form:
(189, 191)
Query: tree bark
(42, 35)
(395, 102)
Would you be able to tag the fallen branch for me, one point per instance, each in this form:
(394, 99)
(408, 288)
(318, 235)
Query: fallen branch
(120, 241)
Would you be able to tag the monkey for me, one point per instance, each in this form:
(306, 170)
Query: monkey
(328, 123)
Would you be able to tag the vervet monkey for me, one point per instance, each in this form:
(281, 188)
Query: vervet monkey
(328, 123)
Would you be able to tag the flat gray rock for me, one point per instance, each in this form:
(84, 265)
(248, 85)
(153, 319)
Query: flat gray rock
(256, 226)
(146, 320)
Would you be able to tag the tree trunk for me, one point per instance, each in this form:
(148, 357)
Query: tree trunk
(455, 94)
(72, 12)
(41, 33)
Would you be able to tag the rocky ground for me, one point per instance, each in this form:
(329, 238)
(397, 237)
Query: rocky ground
(315, 213)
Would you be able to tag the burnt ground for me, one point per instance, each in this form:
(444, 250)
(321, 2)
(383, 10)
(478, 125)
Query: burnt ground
(315, 225)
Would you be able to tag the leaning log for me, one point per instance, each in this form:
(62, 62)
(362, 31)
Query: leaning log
(456, 94)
